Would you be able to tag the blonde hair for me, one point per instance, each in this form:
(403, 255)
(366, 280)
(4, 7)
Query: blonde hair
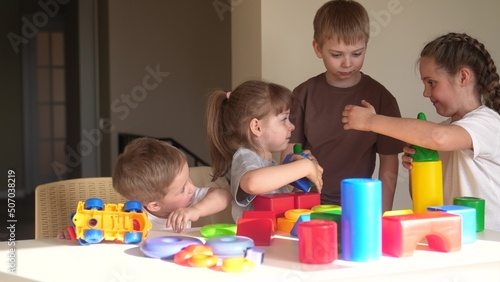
(229, 114)
(344, 20)
(453, 51)
(145, 168)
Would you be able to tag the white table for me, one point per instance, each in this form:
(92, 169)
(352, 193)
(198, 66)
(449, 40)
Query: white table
(60, 260)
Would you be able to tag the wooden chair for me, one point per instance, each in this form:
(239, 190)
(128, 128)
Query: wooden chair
(56, 201)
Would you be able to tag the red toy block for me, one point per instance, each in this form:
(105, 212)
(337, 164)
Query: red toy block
(278, 203)
(257, 229)
(261, 214)
(402, 233)
(317, 241)
(306, 200)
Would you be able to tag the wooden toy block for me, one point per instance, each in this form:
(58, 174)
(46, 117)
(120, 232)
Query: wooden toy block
(306, 200)
(318, 242)
(333, 215)
(402, 233)
(257, 229)
(295, 230)
(285, 224)
(278, 203)
(468, 215)
(397, 212)
(261, 214)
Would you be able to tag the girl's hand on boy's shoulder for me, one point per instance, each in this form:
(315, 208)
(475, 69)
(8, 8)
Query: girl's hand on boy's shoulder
(358, 117)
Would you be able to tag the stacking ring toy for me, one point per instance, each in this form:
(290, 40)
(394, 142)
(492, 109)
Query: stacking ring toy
(166, 246)
(219, 229)
(324, 208)
(230, 246)
(188, 252)
(237, 265)
(201, 260)
(295, 213)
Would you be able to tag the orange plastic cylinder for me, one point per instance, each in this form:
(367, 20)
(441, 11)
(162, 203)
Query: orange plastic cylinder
(426, 185)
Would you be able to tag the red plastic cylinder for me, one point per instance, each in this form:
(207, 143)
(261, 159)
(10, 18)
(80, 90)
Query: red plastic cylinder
(317, 241)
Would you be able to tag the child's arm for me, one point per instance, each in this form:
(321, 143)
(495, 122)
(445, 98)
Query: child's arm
(216, 200)
(388, 174)
(266, 179)
(288, 150)
(414, 131)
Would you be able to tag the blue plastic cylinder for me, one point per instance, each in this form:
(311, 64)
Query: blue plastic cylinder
(361, 219)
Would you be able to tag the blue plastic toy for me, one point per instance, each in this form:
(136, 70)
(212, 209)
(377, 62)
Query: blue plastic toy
(303, 184)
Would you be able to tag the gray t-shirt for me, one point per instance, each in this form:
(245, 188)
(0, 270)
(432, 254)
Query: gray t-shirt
(245, 160)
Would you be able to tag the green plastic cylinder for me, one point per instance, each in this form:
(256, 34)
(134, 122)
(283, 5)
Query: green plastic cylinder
(476, 203)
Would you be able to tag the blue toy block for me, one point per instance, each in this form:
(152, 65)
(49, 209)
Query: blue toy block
(303, 184)
(302, 218)
(468, 215)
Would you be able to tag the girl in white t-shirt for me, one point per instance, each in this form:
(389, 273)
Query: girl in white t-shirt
(461, 80)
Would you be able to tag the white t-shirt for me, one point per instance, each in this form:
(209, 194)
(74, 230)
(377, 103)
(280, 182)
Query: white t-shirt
(245, 160)
(476, 173)
(161, 223)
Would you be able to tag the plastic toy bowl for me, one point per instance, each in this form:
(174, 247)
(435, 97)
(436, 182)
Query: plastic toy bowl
(218, 229)
(166, 247)
(230, 246)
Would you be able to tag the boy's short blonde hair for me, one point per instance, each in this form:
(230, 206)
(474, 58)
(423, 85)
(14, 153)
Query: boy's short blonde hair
(146, 168)
(344, 20)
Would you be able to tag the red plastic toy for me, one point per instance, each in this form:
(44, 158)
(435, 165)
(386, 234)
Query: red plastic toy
(402, 233)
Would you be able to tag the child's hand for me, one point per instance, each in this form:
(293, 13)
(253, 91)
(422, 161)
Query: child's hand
(316, 174)
(63, 235)
(178, 219)
(355, 117)
(406, 159)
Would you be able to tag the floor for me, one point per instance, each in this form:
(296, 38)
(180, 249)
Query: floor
(25, 216)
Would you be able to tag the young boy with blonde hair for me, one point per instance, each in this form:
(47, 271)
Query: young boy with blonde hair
(156, 174)
(341, 34)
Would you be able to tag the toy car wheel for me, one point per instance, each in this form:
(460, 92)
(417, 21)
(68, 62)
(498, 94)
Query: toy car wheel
(94, 203)
(132, 206)
(82, 242)
(132, 238)
(93, 236)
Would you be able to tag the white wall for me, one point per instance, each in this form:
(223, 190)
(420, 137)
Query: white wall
(400, 29)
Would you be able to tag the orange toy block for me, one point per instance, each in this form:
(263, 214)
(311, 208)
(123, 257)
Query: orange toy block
(278, 203)
(261, 214)
(306, 200)
(257, 229)
(285, 224)
(402, 233)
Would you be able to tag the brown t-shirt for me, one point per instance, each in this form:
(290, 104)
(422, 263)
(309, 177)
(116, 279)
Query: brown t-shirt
(317, 116)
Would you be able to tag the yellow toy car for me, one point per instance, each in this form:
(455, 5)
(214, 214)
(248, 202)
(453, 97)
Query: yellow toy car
(95, 221)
